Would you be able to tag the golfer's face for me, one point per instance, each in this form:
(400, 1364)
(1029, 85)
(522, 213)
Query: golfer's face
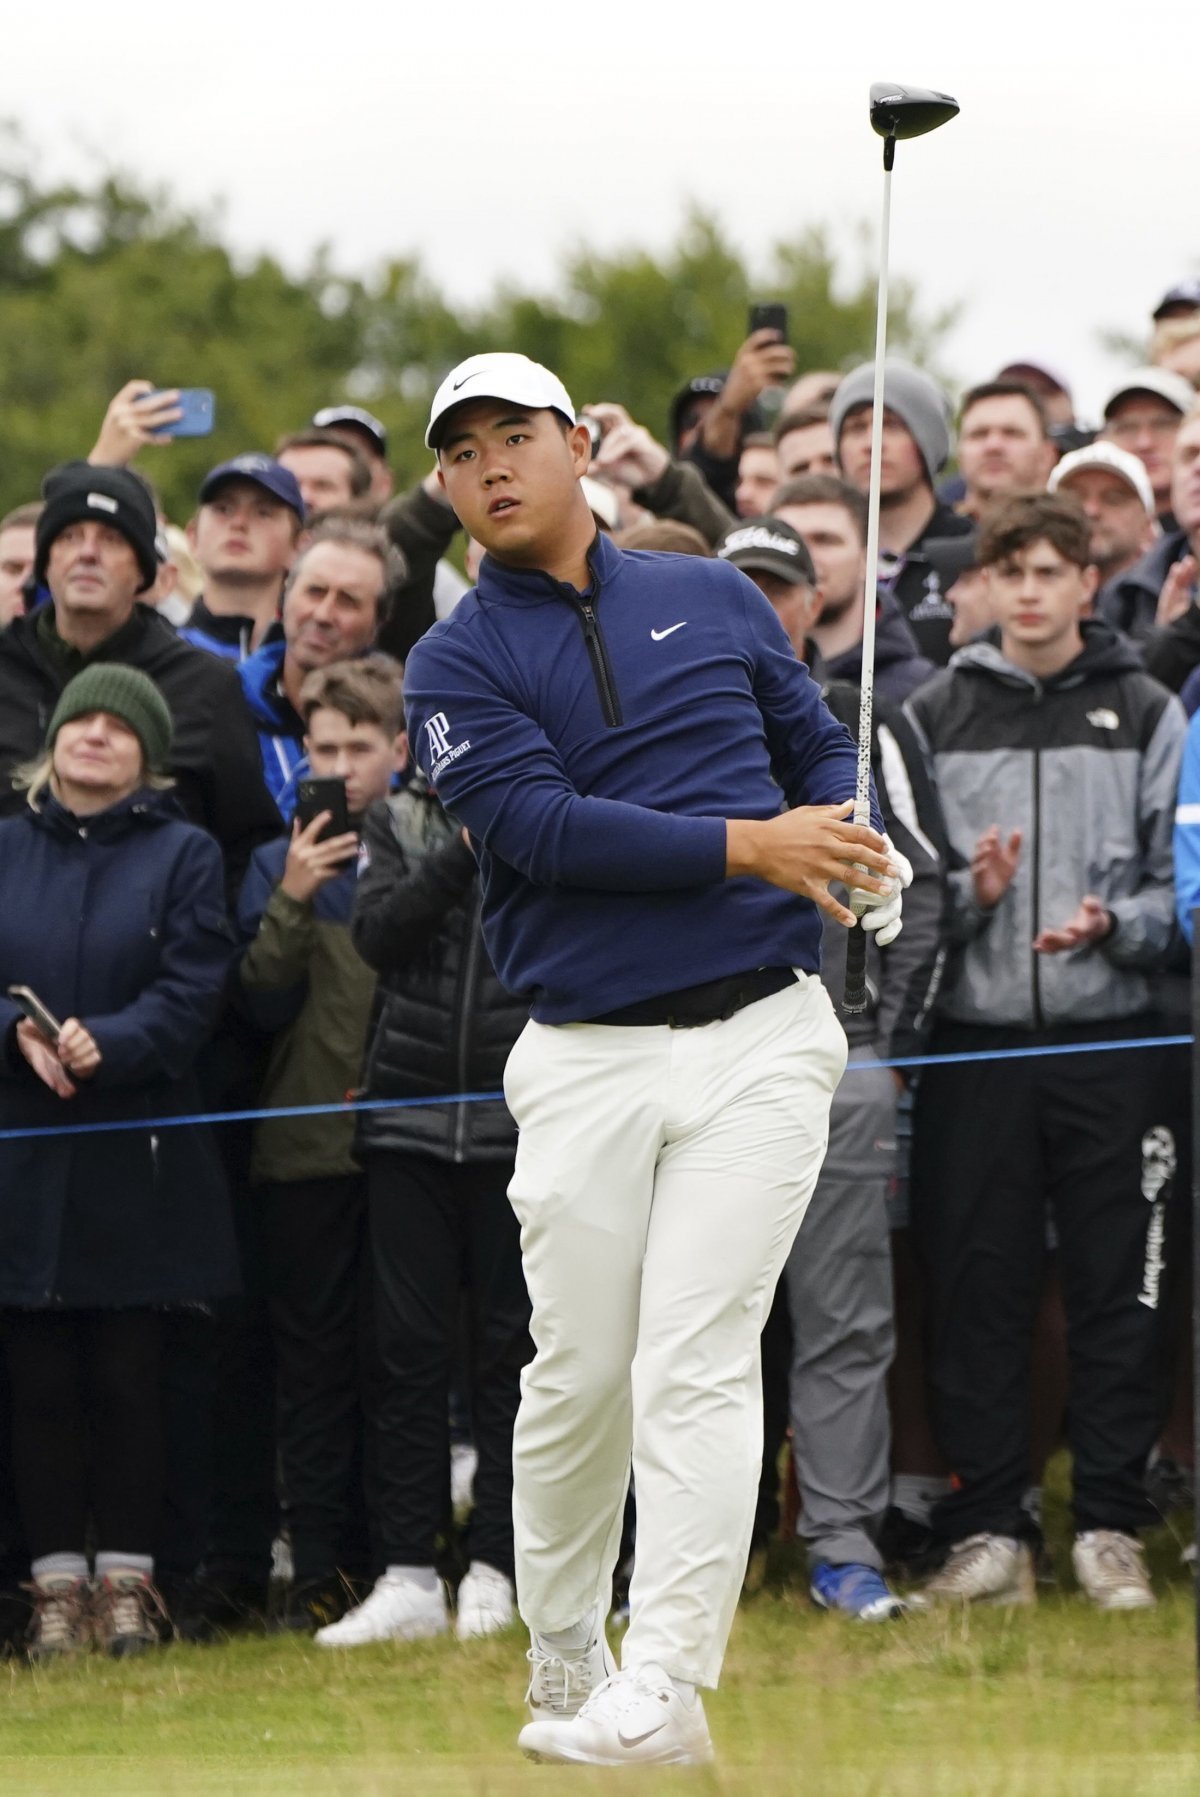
(511, 475)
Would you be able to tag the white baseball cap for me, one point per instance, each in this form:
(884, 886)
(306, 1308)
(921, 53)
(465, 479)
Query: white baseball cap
(1163, 382)
(1110, 456)
(498, 375)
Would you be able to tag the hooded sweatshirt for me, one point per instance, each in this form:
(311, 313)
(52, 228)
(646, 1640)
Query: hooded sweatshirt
(1085, 764)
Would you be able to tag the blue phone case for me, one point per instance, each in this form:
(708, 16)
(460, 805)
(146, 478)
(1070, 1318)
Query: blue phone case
(199, 411)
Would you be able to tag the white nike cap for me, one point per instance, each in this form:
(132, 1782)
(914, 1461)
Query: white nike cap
(1111, 457)
(498, 375)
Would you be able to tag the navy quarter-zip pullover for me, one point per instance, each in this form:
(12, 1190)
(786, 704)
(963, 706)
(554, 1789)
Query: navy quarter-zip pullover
(594, 743)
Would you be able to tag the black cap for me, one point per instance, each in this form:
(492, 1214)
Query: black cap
(264, 471)
(951, 556)
(1184, 293)
(113, 496)
(769, 546)
(329, 417)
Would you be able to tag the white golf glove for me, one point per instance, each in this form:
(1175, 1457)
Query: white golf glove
(880, 911)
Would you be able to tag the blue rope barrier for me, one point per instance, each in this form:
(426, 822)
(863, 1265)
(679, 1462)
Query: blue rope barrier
(351, 1107)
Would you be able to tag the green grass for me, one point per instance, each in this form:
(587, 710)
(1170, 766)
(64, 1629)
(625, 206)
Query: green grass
(987, 1704)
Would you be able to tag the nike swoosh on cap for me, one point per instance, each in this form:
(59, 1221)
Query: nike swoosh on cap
(466, 377)
(658, 635)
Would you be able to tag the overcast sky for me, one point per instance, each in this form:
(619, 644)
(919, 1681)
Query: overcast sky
(490, 137)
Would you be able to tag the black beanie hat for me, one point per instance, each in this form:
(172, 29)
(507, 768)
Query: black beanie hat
(113, 496)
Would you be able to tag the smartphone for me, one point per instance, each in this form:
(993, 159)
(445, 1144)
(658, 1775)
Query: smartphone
(595, 431)
(199, 412)
(315, 796)
(44, 1021)
(768, 316)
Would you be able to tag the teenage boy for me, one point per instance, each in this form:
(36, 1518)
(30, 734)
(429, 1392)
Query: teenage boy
(655, 900)
(244, 539)
(1057, 759)
(302, 978)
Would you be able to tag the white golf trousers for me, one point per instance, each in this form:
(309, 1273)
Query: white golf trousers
(661, 1177)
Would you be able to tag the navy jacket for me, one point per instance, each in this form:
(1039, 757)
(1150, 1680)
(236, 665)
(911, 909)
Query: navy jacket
(594, 747)
(118, 920)
(280, 730)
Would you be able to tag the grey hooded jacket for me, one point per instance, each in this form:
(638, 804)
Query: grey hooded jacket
(1086, 766)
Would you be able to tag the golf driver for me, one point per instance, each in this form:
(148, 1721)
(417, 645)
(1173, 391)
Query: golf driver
(896, 112)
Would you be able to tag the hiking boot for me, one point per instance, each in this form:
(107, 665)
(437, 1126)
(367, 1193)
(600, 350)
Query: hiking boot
(983, 1569)
(128, 1614)
(62, 1616)
(1111, 1568)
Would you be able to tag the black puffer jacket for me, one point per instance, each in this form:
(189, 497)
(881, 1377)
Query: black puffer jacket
(442, 1022)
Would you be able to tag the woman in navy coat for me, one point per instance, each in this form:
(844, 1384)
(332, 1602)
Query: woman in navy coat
(111, 911)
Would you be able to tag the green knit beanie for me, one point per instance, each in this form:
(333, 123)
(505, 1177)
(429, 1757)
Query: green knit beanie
(124, 693)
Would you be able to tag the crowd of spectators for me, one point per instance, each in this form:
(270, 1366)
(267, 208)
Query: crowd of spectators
(264, 1372)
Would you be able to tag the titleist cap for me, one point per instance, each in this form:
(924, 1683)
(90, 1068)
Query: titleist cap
(769, 546)
(497, 375)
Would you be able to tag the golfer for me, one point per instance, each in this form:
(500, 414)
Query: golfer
(619, 732)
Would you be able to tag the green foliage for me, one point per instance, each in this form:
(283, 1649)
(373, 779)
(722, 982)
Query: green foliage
(107, 281)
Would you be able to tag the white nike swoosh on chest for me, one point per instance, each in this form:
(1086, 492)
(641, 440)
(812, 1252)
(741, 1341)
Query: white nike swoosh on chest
(658, 635)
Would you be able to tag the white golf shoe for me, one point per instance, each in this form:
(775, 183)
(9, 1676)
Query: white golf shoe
(398, 1609)
(632, 1719)
(1111, 1568)
(561, 1682)
(486, 1602)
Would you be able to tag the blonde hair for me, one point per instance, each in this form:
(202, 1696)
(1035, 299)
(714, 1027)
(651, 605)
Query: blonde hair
(33, 778)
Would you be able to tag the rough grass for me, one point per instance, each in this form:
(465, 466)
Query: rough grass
(987, 1704)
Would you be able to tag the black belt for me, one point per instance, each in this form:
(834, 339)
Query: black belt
(712, 1002)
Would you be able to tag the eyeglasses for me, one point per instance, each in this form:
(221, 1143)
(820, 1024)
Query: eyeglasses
(1123, 429)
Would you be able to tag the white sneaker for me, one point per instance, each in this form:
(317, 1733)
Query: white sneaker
(983, 1569)
(627, 1721)
(1112, 1570)
(486, 1602)
(398, 1609)
(560, 1683)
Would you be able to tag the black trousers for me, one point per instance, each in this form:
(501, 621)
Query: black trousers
(436, 1228)
(318, 1299)
(998, 1147)
(86, 1427)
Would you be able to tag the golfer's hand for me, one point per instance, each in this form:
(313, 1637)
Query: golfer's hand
(806, 849)
(132, 420)
(993, 865)
(42, 1058)
(1091, 923)
(879, 914)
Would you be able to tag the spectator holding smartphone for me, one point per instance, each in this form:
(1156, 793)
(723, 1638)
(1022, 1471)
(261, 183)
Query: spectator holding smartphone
(112, 911)
(439, 1218)
(302, 977)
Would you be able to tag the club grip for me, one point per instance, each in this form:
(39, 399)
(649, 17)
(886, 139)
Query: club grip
(854, 993)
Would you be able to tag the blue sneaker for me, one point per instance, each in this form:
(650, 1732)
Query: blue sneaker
(855, 1590)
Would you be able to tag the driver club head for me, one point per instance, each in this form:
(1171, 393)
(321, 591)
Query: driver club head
(898, 111)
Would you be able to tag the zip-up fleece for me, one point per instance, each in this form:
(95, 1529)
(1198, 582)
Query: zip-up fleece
(1086, 766)
(280, 729)
(593, 744)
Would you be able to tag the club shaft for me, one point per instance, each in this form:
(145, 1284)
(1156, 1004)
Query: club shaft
(862, 787)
